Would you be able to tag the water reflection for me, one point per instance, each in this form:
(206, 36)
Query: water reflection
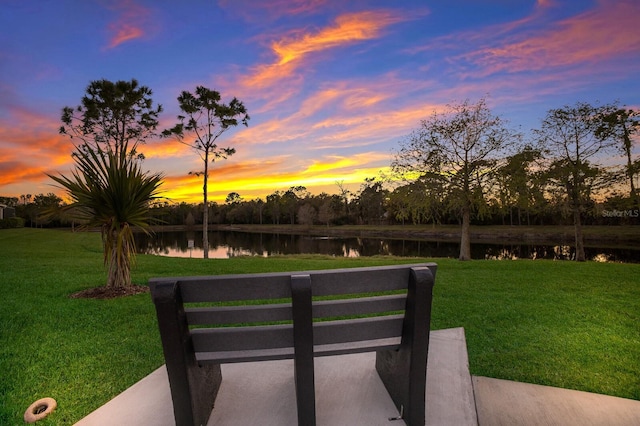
(227, 244)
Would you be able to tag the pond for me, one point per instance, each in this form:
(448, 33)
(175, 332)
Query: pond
(227, 244)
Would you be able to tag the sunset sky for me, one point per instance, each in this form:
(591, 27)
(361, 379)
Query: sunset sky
(332, 87)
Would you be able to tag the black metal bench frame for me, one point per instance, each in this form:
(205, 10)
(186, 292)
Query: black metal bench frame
(307, 324)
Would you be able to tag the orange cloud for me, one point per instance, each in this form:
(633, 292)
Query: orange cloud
(348, 28)
(265, 75)
(608, 31)
(132, 18)
(349, 96)
(30, 147)
(123, 32)
(343, 114)
(19, 172)
(26, 134)
(292, 49)
(165, 148)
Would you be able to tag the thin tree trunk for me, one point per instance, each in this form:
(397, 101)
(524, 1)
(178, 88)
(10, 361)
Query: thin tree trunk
(577, 224)
(633, 192)
(205, 213)
(627, 149)
(465, 238)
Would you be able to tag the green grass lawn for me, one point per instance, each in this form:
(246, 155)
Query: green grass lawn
(573, 325)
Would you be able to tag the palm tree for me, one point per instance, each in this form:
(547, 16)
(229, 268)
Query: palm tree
(109, 190)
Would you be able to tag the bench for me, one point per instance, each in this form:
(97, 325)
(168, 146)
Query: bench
(212, 320)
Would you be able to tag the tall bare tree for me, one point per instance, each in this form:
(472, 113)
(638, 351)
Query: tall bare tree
(205, 119)
(292, 198)
(344, 196)
(517, 186)
(569, 139)
(274, 206)
(460, 148)
(371, 201)
(621, 125)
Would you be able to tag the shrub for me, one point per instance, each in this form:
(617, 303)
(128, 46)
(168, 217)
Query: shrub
(12, 222)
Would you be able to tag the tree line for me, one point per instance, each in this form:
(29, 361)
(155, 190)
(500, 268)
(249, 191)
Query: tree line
(467, 165)
(459, 166)
(525, 187)
(469, 160)
(378, 201)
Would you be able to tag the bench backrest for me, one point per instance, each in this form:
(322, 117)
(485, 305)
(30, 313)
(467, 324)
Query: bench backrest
(235, 318)
(208, 321)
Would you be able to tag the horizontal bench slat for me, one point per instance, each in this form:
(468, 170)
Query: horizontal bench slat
(244, 356)
(282, 311)
(372, 328)
(226, 357)
(228, 339)
(242, 338)
(239, 314)
(364, 280)
(235, 287)
(359, 306)
(391, 343)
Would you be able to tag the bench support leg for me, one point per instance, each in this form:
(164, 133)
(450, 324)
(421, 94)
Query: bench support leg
(404, 371)
(193, 387)
(303, 348)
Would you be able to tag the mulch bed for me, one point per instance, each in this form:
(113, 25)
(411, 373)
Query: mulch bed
(109, 292)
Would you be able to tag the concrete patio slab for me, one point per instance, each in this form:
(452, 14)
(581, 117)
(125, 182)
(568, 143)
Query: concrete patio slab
(348, 392)
(507, 403)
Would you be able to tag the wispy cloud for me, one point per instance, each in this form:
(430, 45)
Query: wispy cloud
(292, 49)
(593, 37)
(27, 156)
(12, 172)
(347, 29)
(538, 55)
(42, 131)
(344, 114)
(122, 32)
(165, 148)
(330, 86)
(132, 19)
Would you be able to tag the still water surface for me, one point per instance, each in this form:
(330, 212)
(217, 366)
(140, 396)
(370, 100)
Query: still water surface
(227, 244)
